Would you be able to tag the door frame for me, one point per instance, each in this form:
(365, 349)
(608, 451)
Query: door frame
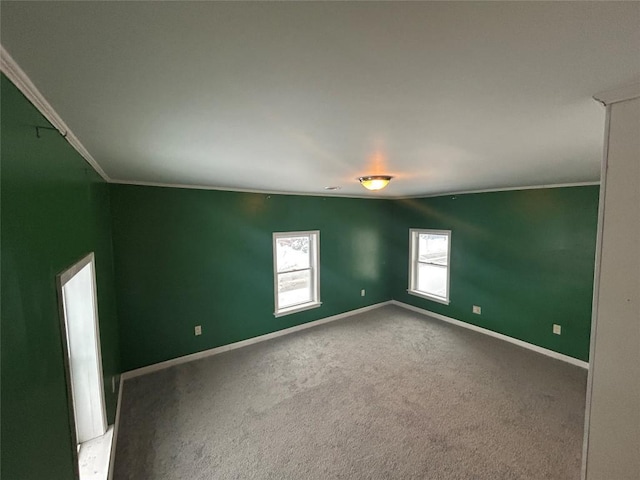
(61, 280)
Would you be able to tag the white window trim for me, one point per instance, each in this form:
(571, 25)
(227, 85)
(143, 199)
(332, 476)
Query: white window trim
(315, 277)
(413, 250)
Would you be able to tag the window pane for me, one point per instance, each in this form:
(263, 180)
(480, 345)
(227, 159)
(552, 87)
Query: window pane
(432, 248)
(292, 253)
(294, 288)
(432, 279)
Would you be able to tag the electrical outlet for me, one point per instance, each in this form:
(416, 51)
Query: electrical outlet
(362, 293)
(477, 309)
(557, 329)
(198, 330)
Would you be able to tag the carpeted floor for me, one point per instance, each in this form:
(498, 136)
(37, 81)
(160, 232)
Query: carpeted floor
(387, 394)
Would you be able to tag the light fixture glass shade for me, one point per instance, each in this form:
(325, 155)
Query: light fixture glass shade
(375, 182)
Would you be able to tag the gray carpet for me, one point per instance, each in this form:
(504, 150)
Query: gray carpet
(388, 394)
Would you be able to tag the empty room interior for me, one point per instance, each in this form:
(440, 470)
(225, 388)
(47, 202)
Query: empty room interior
(320, 240)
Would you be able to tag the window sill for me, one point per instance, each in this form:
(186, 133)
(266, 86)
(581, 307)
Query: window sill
(296, 309)
(444, 301)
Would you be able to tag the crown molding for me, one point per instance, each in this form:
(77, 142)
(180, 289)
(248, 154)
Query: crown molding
(142, 183)
(19, 78)
(628, 92)
(496, 190)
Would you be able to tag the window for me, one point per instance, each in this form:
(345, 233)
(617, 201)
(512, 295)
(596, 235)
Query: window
(296, 262)
(429, 252)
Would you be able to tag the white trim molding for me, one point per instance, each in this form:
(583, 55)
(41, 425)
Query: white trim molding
(142, 183)
(491, 333)
(244, 343)
(628, 92)
(596, 287)
(280, 333)
(19, 78)
(116, 426)
(496, 190)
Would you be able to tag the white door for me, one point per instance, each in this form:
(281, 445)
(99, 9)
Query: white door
(80, 312)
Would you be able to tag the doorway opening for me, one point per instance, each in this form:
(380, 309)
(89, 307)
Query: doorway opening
(81, 341)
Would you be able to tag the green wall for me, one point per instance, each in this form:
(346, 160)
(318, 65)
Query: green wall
(202, 257)
(197, 257)
(526, 257)
(55, 210)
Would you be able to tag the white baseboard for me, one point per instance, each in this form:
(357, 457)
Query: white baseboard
(116, 424)
(491, 333)
(251, 341)
(232, 346)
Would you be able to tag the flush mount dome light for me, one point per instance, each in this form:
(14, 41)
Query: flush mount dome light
(375, 182)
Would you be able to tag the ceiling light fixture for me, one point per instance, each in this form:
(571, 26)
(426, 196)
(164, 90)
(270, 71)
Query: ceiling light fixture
(375, 182)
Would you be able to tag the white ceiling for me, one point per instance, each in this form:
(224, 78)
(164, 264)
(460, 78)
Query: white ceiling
(293, 97)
